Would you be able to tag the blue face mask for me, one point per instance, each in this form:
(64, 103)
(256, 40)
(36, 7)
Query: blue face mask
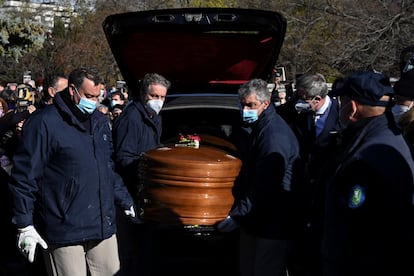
(250, 116)
(85, 105)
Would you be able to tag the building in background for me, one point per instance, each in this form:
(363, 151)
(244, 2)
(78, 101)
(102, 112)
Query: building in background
(45, 12)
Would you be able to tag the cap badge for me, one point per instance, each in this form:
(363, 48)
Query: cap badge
(356, 197)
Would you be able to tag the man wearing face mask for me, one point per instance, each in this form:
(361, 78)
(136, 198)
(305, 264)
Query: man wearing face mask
(316, 125)
(404, 95)
(63, 188)
(264, 195)
(369, 199)
(117, 98)
(136, 130)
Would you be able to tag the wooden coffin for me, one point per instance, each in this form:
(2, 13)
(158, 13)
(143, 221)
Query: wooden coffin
(188, 186)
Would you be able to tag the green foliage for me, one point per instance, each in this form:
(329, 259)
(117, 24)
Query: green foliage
(59, 29)
(19, 37)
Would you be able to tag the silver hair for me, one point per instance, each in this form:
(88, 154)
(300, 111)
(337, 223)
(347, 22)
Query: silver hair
(255, 86)
(313, 84)
(150, 79)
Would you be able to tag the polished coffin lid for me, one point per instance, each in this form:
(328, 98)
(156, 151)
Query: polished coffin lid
(188, 186)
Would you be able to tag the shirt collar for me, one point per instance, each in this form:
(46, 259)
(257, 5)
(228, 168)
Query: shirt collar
(324, 107)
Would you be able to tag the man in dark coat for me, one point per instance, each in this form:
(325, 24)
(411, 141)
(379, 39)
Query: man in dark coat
(63, 186)
(369, 199)
(136, 130)
(403, 95)
(264, 206)
(316, 124)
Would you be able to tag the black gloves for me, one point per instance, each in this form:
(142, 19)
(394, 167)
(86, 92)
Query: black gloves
(229, 223)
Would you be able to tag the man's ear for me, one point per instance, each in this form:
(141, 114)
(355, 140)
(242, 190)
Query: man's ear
(355, 106)
(51, 92)
(266, 104)
(71, 89)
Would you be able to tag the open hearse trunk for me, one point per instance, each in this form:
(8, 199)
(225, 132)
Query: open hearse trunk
(206, 53)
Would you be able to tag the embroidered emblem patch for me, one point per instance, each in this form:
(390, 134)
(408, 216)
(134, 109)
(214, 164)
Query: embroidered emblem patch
(356, 197)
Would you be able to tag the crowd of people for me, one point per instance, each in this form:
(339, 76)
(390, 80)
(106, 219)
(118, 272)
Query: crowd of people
(326, 187)
(337, 197)
(64, 192)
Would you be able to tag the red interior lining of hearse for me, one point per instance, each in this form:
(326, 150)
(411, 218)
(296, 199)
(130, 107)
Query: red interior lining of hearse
(196, 58)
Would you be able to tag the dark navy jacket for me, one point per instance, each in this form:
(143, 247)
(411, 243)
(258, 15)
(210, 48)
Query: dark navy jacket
(135, 131)
(315, 151)
(269, 166)
(64, 176)
(368, 221)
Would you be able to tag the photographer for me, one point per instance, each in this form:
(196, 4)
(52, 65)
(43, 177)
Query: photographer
(12, 122)
(10, 129)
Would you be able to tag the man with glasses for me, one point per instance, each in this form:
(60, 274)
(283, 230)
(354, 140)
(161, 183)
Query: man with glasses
(316, 124)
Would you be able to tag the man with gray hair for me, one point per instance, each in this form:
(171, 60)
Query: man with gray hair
(316, 125)
(136, 130)
(264, 197)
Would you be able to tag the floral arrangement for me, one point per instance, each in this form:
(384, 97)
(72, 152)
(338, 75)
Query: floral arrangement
(189, 140)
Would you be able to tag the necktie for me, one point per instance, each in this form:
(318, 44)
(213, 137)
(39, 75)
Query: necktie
(319, 123)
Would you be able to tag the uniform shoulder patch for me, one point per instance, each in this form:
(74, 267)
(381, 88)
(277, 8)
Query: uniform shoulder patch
(356, 197)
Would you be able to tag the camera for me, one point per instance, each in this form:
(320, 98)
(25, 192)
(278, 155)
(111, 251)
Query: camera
(121, 86)
(22, 105)
(27, 76)
(24, 97)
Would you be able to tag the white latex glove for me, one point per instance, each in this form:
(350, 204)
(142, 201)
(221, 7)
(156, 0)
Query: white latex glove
(27, 240)
(130, 212)
(133, 216)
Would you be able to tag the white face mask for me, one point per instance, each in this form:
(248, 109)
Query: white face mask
(115, 102)
(301, 106)
(155, 105)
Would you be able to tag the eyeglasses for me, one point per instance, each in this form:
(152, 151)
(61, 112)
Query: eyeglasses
(311, 99)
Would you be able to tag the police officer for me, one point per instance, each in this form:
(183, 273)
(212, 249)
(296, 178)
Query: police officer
(368, 210)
